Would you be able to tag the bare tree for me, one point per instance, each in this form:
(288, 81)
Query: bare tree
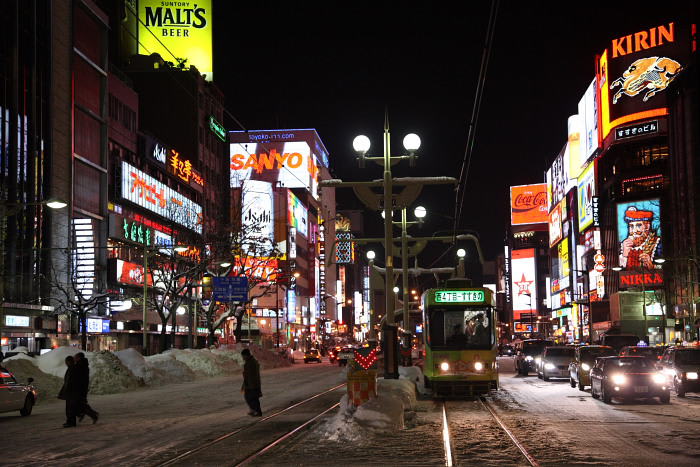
(77, 291)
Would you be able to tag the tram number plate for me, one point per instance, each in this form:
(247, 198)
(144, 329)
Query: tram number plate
(641, 389)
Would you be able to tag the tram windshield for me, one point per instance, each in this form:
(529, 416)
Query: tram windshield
(454, 329)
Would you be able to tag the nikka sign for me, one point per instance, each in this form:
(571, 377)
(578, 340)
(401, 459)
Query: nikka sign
(646, 279)
(528, 204)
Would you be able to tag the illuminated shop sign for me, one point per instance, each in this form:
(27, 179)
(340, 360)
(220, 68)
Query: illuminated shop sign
(260, 268)
(638, 129)
(147, 192)
(217, 128)
(586, 192)
(136, 232)
(96, 326)
(460, 296)
(556, 219)
(634, 72)
(345, 248)
(291, 306)
(650, 279)
(159, 153)
(17, 321)
(297, 215)
(177, 29)
(639, 233)
(558, 181)
(523, 285)
(182, 169)
(528, 204)
(596, 212)
(258, 216)
(131, 274)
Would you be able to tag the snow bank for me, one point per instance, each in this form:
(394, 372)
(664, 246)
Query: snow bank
(20, 349)
(24, 367)
(165, 368)
(203, 362)
(108, 375)
(380, 414)
(267, 358)
(54, 362)
(414, 374)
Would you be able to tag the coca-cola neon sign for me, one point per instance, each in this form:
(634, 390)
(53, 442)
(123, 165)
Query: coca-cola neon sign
(528, 204)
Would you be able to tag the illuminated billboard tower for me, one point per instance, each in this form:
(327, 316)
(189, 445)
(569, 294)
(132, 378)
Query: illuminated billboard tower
(277, 174)
(527, 266)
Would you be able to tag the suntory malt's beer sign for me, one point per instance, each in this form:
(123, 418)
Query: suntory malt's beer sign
(528, 204)
(178, 28)
(635, 71)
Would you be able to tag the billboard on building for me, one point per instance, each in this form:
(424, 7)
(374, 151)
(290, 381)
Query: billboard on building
(147, 192)
(639, 233)
(586, 192)
(524, 285)
(297, 215)
(258, 216)
(528, 204)
(635, 71)
(288, 157)
(558, 180)
(588, 114)
(178, 31)
(556, 219)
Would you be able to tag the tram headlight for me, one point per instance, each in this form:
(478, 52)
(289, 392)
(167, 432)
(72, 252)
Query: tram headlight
(478, 366)
(444, 366)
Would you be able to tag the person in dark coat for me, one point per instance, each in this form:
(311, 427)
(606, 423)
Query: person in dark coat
(251, 387)
(82, 370)
(69, 393)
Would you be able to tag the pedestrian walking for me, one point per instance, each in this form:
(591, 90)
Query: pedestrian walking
(69, 393)
(251, 388)
(82, 370)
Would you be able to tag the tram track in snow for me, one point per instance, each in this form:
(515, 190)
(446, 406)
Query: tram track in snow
(226, 449)
(451, 444)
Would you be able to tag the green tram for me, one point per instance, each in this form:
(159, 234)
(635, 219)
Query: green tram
(460, 341)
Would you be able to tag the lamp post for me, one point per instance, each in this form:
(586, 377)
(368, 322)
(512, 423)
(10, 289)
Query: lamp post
(361, 144)
(461, 272)
(532, 324)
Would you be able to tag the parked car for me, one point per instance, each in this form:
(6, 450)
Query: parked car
(584, 359)
(528, 353)
(655, 353)
(16, 396)
(345, 354)
(312, 355)
(555, 362)
(682, 366)
(628, 378)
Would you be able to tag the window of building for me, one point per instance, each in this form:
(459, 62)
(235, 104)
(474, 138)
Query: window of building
(642, 184)
(647, 155)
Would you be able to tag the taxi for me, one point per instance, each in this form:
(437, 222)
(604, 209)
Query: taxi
(584, 358)
(312, 355)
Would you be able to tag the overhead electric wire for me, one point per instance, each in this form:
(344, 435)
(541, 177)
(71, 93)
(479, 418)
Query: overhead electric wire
(471, 135)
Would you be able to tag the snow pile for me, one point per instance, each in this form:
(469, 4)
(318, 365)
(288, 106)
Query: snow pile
(380, 414)
(146, 372)
(108, 375)
(166, 369)
(54, 362)
(24, 367)
(20, 349)
(414, 374)
(267, 358)
(203, 362)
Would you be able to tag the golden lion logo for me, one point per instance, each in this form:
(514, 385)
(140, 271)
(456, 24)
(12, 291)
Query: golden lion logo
(651, 73)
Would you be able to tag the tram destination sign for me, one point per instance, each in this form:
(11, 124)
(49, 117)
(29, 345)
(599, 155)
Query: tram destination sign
(459, 296)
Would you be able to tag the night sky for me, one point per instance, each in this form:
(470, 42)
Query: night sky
(337, 67)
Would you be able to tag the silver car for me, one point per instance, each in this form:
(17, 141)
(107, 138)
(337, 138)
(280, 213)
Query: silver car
(16, 396)
(554, 363)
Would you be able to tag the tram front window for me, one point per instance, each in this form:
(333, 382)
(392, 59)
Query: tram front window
(461, 329)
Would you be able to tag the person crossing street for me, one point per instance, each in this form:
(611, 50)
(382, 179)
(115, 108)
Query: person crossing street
(251, 387)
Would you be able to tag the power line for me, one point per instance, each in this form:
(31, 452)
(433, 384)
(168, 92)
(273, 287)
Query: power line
(468, 150)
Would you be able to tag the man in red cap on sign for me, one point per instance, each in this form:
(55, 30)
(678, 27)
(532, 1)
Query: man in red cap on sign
(642, 243)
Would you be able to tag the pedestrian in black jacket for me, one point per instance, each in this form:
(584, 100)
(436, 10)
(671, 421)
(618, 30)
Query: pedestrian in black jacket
(69, 393)
(82, 371)
(251, 387)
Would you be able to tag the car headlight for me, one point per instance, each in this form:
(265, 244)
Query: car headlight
(691, 375)
(444, 366)
(619, 379)
(659, 378)
(585, 367)
(549, 366)
(528, 358)
(478, 366)
(538, 360)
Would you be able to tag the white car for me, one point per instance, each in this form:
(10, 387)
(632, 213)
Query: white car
(16, 396)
